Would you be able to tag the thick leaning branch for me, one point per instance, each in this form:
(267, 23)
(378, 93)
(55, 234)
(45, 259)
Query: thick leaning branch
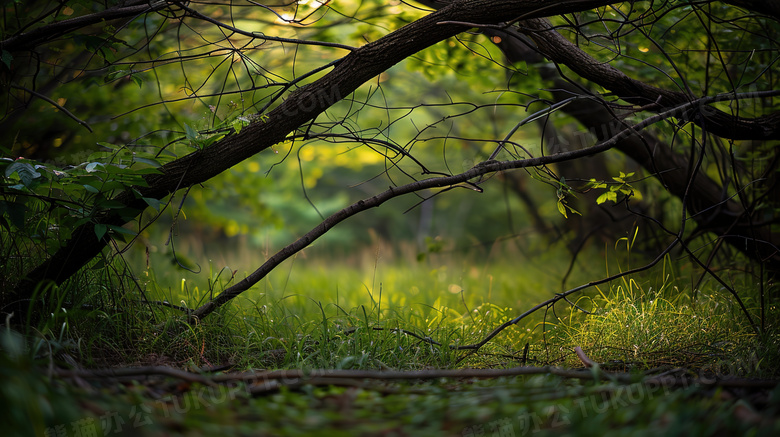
(480, 169)
(46, 33)
(302, 106)
(562, 51)
(710, 208)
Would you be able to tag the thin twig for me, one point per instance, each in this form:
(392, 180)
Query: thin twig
(195, 14)
(55, 104)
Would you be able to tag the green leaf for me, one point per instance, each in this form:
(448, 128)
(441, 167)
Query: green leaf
(238, 125)
(117, 169)
(25, 171)
(122, 230)
(191, 133)
(143, 171)
(601, 199)
(6, 58)
(115, 74)
(562, 209)
(137, 80)
(80, 222)
(211, 140)
(110, 146)
(152, 162)
(100, 231)
(154, 203)
(92, 166)
(99, 265)
(113, 185)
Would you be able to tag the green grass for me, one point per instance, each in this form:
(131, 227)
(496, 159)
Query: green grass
(312, 314)
(644, 329)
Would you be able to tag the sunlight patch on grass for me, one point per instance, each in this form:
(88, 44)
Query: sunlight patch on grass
(642, 329)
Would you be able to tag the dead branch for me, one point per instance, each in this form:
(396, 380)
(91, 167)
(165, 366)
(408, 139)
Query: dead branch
(264, 381)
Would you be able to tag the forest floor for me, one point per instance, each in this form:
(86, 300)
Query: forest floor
(161, 401)
(642, 357)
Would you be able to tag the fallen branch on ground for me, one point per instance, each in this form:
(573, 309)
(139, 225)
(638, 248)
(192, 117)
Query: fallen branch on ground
(264, 381)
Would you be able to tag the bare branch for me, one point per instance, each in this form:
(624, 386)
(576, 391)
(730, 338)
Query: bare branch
(257, 35)
(40, 35)
(560, 50)
(55, 104)
(258, 381)
(436, 182)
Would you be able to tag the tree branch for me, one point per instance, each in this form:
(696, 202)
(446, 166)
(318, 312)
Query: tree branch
(436, 182)
(257, 380)
(562, 51)
(55, 104)
(301, 106)
(32, 39)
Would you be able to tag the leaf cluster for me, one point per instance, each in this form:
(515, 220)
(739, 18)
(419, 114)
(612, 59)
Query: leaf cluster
(45, 202)
(620, 185)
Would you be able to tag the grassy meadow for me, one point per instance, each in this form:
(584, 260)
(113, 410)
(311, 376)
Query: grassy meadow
(399, 308)
(386, 309)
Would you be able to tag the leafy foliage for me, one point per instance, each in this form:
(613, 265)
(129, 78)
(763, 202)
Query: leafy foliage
(620, 186)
